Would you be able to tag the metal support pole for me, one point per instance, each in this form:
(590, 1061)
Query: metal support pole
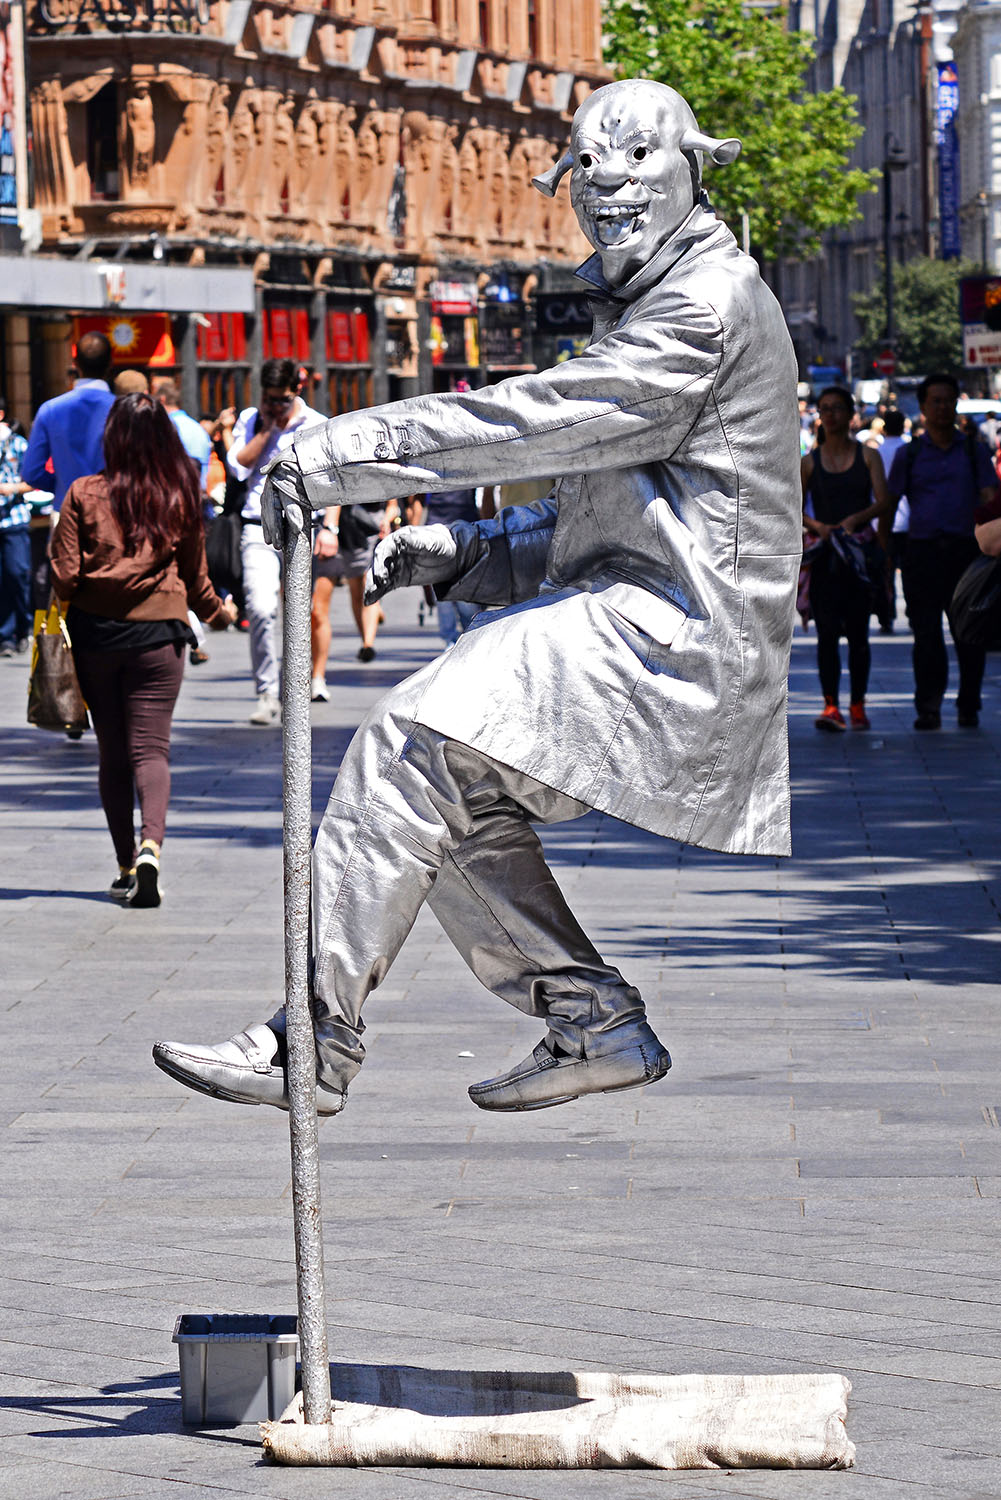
(891, 328)
(297, 844)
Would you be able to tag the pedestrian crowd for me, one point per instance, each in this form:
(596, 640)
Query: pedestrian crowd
(146, 522)
(917, 497)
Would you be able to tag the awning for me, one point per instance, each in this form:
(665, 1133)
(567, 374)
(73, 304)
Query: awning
(40, 281)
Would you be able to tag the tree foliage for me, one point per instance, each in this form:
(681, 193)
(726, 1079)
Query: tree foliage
(925, 312)
(743, 74)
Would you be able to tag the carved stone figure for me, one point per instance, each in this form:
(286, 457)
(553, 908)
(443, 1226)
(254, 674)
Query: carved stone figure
(366, 157)
(283, 157)
(241, 147)
(522, 211)
(320, 193)
(498, 219)
(140, 127)
(344, 161)
(53, 157)
(216, 137)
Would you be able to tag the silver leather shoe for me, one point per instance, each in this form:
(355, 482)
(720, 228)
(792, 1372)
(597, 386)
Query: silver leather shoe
(245, 1070)
(626, 1057)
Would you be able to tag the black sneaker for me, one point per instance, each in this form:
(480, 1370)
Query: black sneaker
(929, 720)
(121, 889)
(968, 719)
(147, 891)
(367, 653)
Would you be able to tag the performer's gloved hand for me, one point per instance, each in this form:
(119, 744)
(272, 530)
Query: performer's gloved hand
(412, 555)
(283, 486)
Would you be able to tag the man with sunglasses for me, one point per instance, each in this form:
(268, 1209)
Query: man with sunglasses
(258, 436)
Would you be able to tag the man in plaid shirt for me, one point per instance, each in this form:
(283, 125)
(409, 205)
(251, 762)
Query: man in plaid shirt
(15, 543)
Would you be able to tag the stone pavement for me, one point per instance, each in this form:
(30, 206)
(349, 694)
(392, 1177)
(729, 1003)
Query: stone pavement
(815, 1187)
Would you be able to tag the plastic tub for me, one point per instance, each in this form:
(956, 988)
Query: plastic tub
(235, 1367)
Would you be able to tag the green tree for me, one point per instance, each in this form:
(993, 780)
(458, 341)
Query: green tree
(743, 74)
(925, 312)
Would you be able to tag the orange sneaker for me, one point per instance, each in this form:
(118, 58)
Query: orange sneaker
(831, 718)
(859, 717)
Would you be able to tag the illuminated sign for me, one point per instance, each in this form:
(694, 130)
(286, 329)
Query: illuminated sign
(980, 312)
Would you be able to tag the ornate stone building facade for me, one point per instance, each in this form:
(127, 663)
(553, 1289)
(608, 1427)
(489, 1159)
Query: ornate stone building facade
(371, 160)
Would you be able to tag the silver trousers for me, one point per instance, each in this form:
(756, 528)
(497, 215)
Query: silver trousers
(414, 817)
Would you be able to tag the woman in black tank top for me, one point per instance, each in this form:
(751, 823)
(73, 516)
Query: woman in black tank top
(846, 486)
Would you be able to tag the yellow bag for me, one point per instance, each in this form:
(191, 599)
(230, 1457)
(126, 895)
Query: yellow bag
(54, 697)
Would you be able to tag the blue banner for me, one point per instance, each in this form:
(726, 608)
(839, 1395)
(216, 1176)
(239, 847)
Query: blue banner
(8, 165)
(947, 141)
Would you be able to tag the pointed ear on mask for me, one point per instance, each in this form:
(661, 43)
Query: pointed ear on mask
(721, 152)
(548, 182)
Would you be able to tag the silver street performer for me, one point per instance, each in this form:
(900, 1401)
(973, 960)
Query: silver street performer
(634, 651)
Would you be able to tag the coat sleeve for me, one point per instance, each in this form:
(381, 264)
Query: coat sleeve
(242, 432)
(629, 399)
(503, 560)
(65, 549)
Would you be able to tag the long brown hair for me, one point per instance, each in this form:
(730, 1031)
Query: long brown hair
(152, 483)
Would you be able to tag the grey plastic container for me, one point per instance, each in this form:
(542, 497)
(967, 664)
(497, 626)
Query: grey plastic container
(235, 1367)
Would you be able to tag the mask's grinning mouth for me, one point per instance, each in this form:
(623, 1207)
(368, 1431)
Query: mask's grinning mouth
(614, 222)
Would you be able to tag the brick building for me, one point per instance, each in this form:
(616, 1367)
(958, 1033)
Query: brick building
(346, 182)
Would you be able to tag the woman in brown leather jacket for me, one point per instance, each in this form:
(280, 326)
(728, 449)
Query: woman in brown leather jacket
(129, 555)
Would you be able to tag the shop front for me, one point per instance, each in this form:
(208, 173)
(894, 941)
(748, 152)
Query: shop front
(453, 340)
(151, 314)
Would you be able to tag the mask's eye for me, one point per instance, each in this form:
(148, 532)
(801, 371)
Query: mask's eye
(585, 159)
(640, 153)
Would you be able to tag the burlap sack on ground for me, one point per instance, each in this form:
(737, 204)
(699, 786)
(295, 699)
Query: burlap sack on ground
(397, 1415)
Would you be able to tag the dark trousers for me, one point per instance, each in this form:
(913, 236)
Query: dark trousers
(131, 697)
(41, 567)
(931, 569)
(840, 605)
(15, 585)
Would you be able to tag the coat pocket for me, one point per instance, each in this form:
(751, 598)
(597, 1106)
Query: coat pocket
(656, 617)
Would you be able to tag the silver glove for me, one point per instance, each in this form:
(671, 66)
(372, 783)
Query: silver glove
(412, 555)
(283, 487)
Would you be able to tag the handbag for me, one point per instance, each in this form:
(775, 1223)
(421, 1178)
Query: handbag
(862, 563)
(222, 552)
(975, 609)
(54, 697)
(357, 526)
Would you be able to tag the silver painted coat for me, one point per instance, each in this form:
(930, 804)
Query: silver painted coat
(640, 660)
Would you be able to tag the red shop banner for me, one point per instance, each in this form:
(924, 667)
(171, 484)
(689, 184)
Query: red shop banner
(222, 339)
(286, 333)
(347, 338)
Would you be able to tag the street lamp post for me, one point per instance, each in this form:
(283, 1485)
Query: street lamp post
(894, 160)
(984, 208)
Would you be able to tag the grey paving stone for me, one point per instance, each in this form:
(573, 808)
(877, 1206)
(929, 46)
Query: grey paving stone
(814, 1186)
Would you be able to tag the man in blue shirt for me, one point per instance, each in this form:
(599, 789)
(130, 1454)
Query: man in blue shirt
(69, 429)
(194, 439)
(945, 476)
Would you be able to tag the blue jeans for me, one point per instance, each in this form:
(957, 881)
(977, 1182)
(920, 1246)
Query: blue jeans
(15, 585)
(453, 618)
